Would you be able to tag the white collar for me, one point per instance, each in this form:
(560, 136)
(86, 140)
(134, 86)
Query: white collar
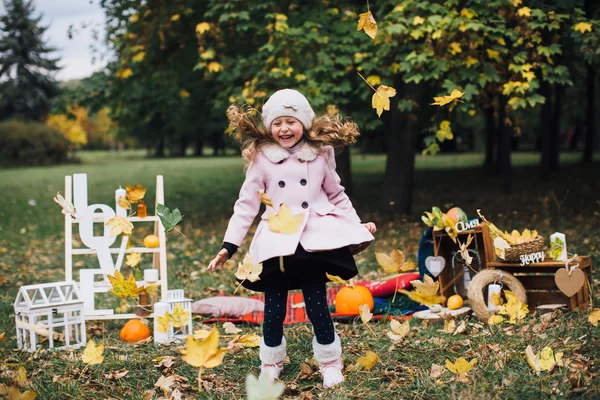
(276, 153)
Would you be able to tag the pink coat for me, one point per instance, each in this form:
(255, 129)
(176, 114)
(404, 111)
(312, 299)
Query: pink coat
(308, 184)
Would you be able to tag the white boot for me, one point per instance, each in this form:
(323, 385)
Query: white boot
(329, 357)
(271, 359)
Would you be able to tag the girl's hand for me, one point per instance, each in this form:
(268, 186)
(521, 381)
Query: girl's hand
(371, 227)
(217, 263)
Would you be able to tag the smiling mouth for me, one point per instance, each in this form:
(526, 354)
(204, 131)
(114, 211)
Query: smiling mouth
(285, 137)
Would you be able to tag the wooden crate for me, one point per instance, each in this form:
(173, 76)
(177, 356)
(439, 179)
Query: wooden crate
(538, 279)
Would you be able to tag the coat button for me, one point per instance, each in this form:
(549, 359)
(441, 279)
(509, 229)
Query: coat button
(304, 204)
(281, 183)
(303, 182)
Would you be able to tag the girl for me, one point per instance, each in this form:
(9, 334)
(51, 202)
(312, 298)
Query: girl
(292, 161)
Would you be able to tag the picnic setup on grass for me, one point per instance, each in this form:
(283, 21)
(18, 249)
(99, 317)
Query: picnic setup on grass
(464, 265)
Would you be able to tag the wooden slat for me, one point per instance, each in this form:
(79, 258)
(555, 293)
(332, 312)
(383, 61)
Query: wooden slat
(534, 299)
(537, 282)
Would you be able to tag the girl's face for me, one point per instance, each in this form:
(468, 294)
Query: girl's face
(286, 131)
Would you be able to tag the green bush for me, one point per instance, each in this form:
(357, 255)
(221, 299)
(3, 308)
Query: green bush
(30, 143)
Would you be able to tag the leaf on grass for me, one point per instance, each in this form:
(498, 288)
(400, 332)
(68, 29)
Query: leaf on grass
(179, 316)
(2, 336)
(21, 378)
(201, 334)
(381, 98)
(168, 218)
(443, 100)
(205, 354)
(164, 383)
(365, 313)
(133, 259)
(593, 318)
(436, 371)
(449, 326)
(366, 22)
(398, 330)
(119, 225)
(244, 341)
(544, 361)
(394, 263)
(15, 394)
(67, 207)
(264, 198)
(124, 288)
(230, 327)
(248, 269)
(263, 388)
(366, 362)
(284, 221)
(515, 310)
(93, 354)
(495, 319)
(135, 194)
(461, 365)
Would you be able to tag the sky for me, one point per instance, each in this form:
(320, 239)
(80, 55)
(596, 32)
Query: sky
(75, 54)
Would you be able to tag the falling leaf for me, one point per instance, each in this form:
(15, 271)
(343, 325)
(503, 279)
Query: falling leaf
(231, 328)
(513, 308)
(365, 313)
(204, 354)
(133, 259)
(284, 221)
(394, 263)
(179, 317)
(461, 365)
(367, 22)
(248, 269)
(93, 354)
(135, 194)
(119, 225)
(593, 318)
(124, 288)
(67, 207)
(524, 12)
(381, 98)
(495, 319)
(366, 362)
(202, 27)
(124, 203)
(163, 323)
(263, 388)
(583, 27)
(264, 198)
(544, 361)
(445, 132)
(443, 100)
(168, 218)
(399, 330)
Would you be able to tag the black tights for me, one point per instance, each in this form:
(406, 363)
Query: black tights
(315, 300)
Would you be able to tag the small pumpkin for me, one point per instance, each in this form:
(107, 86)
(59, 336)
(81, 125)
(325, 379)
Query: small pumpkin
(134, 331)
(348, 299)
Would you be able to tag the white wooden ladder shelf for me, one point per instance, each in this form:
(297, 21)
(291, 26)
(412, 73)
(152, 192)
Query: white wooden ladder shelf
(102, 245)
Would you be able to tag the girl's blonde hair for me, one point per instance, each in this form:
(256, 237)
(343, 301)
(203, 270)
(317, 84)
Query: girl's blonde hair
(246, 127)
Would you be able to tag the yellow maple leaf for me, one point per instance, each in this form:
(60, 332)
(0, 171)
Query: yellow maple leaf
(381, 98)
(494, 55)
(516, 3)
(179, 316)
(284, 221)
(455, 48)
(449, 326)
(163, 322)
(184, 94)
(92, 353)
(119, 225)
(264, 198)
(544, 361)
(135, 194)
(594, 317)
(248, 269)
(394, 263)
(15, 394)
(470, 61)
(495, 319)
(244, 341)
(263, 387)
(467, 13)
(428, 286)
(124, 73)
(201, 334)
(418, 20)
(139, 57)
(529, 75)
(175, 17)
(21, 378)
(336, 279)
(214, 66)
(124, 288)
(123, 202)
(367, 22)
(444, 133)
(443, 100)
(367, 362)
(464, 250)
(134, 18)
(202, 27)
(513, 308)
(461, 365)
(133, 259)
(583, 27)
(524, 12)
(204, 354)
(398, 330)
(426, 299)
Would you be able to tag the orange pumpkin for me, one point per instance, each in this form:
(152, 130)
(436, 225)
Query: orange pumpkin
(134, 331)
(348, 299)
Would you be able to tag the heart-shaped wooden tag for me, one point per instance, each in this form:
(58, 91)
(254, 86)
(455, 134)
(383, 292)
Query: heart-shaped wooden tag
(435, 265)
(569, 285)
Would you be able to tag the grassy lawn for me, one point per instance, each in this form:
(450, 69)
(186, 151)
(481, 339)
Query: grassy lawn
(204, 189)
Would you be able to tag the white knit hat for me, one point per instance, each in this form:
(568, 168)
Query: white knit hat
(287, 103)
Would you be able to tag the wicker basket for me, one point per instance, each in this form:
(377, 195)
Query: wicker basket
(513, 254)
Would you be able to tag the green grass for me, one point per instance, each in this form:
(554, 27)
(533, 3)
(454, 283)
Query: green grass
(204, 189)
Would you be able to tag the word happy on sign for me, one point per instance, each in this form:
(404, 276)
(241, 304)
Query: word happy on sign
(532, 258)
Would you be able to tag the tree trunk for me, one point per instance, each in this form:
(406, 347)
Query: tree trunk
(504, 135)
(216, 144)
(160, 146)
(590, 129)
(490, 134)
(555, 128)
(402, 130)
(344, 169)
(198, 148)
(546, 132)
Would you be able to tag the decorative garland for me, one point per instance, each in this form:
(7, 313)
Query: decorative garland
(481, 280)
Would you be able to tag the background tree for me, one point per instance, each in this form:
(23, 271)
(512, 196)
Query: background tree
(26, 82)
